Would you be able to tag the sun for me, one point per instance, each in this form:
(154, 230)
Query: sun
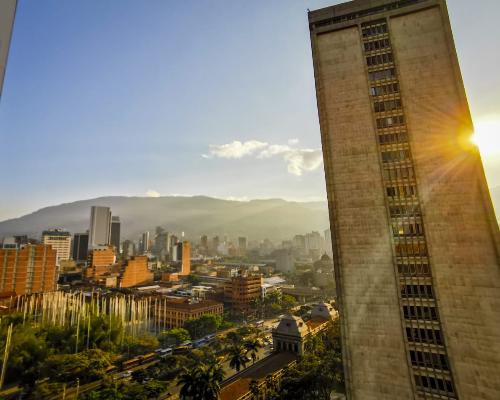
(487, 137)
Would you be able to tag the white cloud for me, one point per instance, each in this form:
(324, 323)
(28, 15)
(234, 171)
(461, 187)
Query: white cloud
(300, 160)
(273, 150)
(152, 193)
(235, 149)
(297, 160)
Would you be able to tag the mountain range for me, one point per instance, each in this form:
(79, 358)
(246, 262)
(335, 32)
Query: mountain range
(274, 219)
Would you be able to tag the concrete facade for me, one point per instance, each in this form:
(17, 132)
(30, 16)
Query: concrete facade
(7, 13)
(413, 228)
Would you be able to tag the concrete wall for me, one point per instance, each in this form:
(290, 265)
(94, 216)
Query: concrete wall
(376, 364)
(7, 12)
(456, 214)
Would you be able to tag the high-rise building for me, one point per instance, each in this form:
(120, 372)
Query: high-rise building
(115, 233)
(242, 245)
(60, 240)
(100, 226)
(182, 253)
(29, 269)
(128, 249)
(162, 245)
(144, 245)
(80, 247)
(7, 13)
(416, 243)
(204, 244)
(328, 242)
(215, 245)
(285, 260)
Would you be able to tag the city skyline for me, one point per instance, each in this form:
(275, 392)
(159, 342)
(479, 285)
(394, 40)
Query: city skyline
(169, 120)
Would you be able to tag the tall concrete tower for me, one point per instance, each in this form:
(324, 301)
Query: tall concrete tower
(415, 240)
(100, 226)
(7, 13)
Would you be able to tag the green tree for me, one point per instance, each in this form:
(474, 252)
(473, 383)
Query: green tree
(202, 326)
(201, 382)
(193, 279)
(252, 346)
(288, 303)
(88, 366)
(174, 337)
(27, 351)
(137, 345)
(237, 357)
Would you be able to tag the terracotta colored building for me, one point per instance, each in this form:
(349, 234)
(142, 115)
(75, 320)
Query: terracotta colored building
(101, 259)
(173, 313)
(136, 272)
(242, 291)
(30, 269)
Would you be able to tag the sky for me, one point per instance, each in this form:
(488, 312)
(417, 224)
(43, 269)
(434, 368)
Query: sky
(211, 97)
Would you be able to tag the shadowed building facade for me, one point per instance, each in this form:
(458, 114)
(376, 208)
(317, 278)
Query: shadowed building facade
(415, 240)
(7, 13)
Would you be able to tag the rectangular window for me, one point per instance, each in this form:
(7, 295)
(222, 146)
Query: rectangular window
(377, 45)
(379, 59)
(417, 291)
(389, 122)
(386, 89)
(429, 360)
(423, 335)
(374, 30)
(397, 137)
(420, 312)
(384, 74)
(388, 105)
(414, 269)
(395, 156)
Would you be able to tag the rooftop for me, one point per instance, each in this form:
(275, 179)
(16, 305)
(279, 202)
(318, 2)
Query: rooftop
(238, 385)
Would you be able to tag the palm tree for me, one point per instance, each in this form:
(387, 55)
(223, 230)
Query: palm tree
(201, 382)
(188, 380)
(237, 357)
(252, 346)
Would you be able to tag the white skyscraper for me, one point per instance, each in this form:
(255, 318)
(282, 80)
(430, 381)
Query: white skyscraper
(7, 13)
(100, 226)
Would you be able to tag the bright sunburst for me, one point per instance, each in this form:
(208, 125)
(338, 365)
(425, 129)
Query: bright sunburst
(487, 137)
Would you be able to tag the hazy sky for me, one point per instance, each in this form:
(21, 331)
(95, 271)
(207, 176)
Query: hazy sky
(128, 97)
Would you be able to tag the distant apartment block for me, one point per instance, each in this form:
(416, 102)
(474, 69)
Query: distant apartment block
(29, 269)
(185, 252)
(101, 259)
(242, 291)
(115, 232)
(135, 272)
(7, 13)
(100, 226)
(60, 240)
(173, 313)
(416, 244)
(80, 247)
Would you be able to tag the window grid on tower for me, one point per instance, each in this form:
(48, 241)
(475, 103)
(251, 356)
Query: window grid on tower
(424, 340)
